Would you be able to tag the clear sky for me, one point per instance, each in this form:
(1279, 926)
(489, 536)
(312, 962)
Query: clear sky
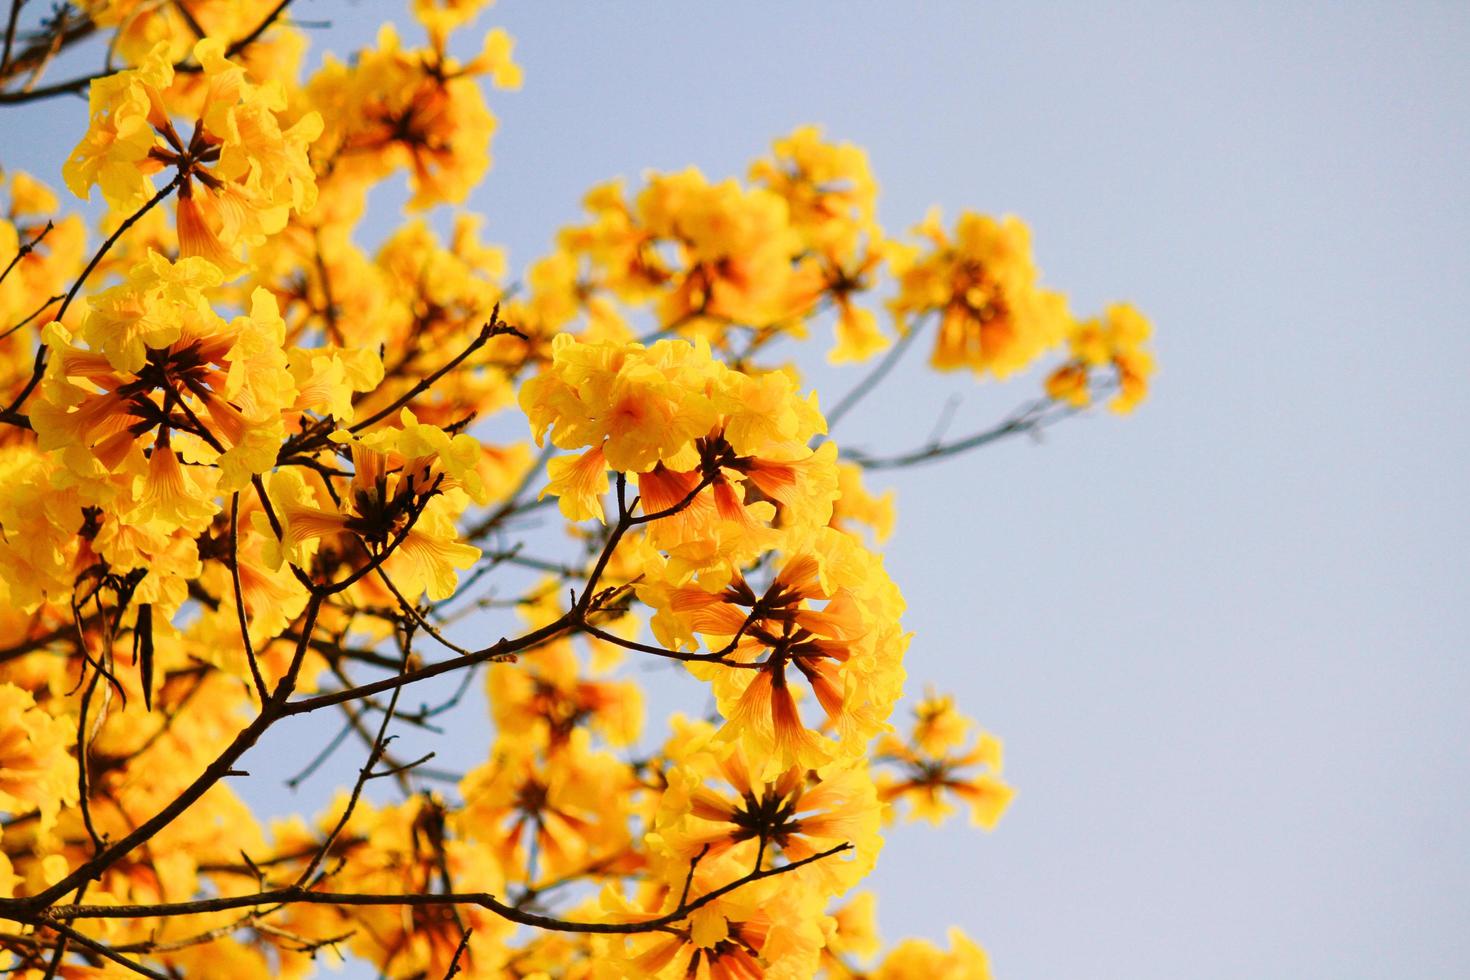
(1224, 640)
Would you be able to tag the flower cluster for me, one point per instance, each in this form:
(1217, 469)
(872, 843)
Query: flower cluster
(1115, 340)
(252, 469)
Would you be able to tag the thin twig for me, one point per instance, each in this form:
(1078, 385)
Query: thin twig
(880, 371)
(15, 6)
(1031, 418)
(27, 248)
(103, 950)
(492, 328)
(464, 944)
(38, 311)
(260, 688)
(273, 710)
(379, 746)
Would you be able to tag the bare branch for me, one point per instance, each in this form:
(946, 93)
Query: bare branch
(1030, 419)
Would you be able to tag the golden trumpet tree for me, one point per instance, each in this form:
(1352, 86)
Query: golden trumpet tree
(246, 479)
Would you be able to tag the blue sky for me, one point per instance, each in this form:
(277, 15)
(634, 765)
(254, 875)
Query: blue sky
(1223, 639)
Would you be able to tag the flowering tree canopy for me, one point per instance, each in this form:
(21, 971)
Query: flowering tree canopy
(246, 478)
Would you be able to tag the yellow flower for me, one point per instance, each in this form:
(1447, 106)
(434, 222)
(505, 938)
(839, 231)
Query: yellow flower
(1068, 383)
(417, 110)
(238, 174)
(39, 276)
(852, 933)
(40, 554)
(724, 452)
(929, 768)
(141, 25)
(162, 368)
(828, 189)
(114, 154)
(919, 959)
(326, 380)
(407, 487)
(856, 505)
(36, 767)
(1116, 340)
(938, 725)
(548, 697)
(631, 406)
(772, 928)
(848, 649)
(711, 255)
(563, 811)
(736, 245)
(994, 317)
(403, 848)
(796, 813)
(433, 302)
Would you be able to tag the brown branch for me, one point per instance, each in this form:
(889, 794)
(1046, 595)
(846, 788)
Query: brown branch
(26, 249)
(223, 764)
(278, 706)
(84, 789)
(513, 503)
(505, 649)
(375, 752)
(39, 51)
(37, 312)
(299, 895)
(418, 617)
(329, 302)
(717, 657)
(464, 943)
(241, 44)
(59, 953)
(102, 949)
(375, 562)
(15, 6)
(38, 642)
(188, 19)
(260, 688)
(492, 328)
(52, 47)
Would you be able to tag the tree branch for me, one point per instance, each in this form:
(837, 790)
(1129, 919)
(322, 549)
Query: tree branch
(299, 895)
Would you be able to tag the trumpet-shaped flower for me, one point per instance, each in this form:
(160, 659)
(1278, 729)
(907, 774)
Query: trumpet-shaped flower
(715, 802)
(830, 614)
(994, 316)
(239, 174)
(407, 486)
(931, 766)
(160, 365)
